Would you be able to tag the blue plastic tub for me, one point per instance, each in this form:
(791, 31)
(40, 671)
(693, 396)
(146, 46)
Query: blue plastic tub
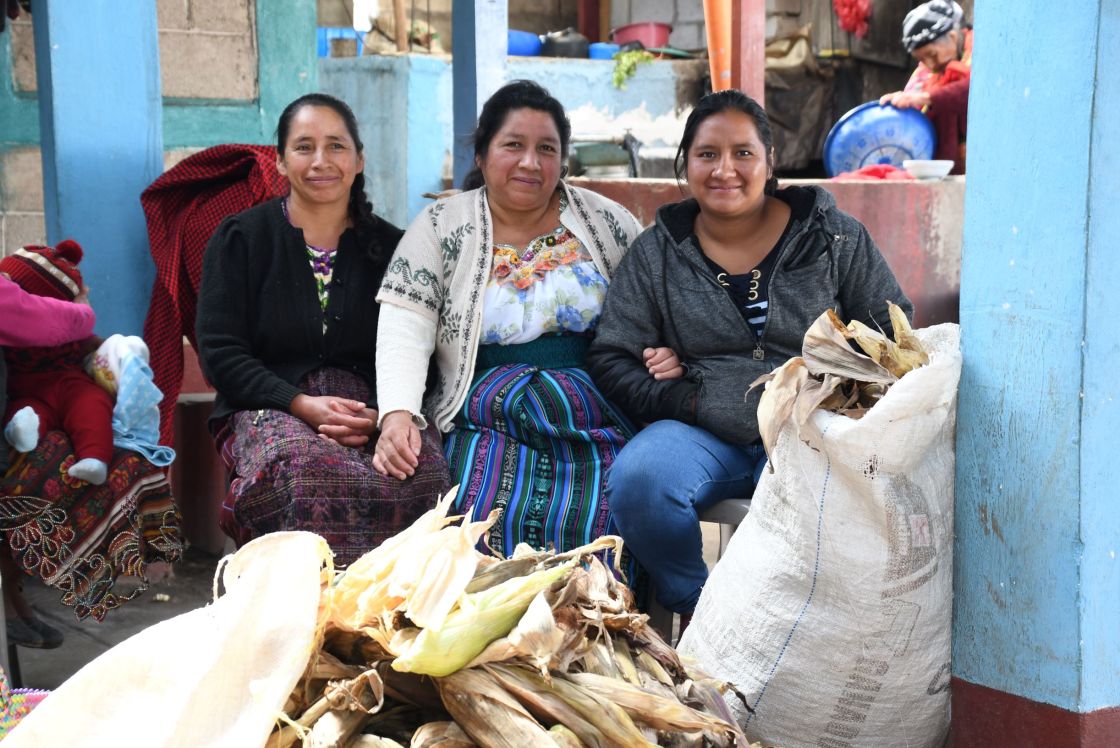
(523, 44)
(873, 134)
(602, 51)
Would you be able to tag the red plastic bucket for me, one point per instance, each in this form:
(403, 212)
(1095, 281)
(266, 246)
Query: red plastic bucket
(649, 33)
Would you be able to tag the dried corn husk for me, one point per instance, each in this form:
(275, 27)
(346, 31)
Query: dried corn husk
(488, 713)
(830, 375)
(656, 711)
(441, 735)
(501, 666)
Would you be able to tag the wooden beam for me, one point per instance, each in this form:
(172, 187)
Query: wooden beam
(748, 48)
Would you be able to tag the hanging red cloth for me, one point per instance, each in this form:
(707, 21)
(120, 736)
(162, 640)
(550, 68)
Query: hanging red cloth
(183, 207)
(853, 15)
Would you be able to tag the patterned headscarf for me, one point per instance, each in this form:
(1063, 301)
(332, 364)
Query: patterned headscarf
(929, 22)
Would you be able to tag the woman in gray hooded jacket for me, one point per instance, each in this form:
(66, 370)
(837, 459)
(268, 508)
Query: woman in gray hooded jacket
(730, 279)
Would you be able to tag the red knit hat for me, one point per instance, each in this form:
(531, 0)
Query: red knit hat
(47, 271)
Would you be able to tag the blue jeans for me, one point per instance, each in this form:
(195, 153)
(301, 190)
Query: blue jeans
(656, 488)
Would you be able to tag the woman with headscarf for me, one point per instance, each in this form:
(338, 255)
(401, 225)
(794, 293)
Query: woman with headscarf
(936, 36)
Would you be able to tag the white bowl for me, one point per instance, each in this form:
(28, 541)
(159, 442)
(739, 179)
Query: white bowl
(921, 169)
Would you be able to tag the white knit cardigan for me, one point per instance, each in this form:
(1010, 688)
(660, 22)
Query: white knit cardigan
(431, 297)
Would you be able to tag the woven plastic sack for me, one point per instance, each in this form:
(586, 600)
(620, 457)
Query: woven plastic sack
(831, 608)
(216, 676)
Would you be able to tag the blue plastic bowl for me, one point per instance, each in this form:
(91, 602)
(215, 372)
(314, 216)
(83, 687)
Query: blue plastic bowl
(874, 134)
(523, 44)
(602, 51)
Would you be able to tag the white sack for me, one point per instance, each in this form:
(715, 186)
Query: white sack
(831, 608)
(216, 676)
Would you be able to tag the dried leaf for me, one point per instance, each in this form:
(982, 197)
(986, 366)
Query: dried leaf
(777, 401)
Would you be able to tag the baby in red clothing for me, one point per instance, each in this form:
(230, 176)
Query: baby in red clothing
(48, 388)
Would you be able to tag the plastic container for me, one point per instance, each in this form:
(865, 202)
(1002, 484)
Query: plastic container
(874, 134)
(602, 51)
(324, 35)
(920, 169)
(523, 44)
(649, 33)
(566, 43)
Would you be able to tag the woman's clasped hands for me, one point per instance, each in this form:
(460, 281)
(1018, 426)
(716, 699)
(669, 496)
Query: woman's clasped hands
(341, 420)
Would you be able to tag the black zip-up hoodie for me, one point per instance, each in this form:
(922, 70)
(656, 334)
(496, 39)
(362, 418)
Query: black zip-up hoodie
(664, 294)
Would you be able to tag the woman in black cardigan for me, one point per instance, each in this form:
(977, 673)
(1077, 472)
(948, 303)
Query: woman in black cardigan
(287, 329)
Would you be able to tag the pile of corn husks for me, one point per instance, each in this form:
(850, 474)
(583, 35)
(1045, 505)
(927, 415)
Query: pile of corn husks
(829, 374)
(426, 642)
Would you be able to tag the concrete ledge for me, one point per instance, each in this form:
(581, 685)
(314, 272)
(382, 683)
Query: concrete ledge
(918, 226)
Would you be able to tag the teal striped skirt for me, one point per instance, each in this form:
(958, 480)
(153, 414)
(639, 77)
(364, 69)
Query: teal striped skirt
(536, 443)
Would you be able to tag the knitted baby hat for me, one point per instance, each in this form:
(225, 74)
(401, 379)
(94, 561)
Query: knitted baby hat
(47, 271)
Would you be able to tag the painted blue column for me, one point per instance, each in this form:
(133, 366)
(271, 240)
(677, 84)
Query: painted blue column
(478, 44)
(102, 143)
(1038, 530)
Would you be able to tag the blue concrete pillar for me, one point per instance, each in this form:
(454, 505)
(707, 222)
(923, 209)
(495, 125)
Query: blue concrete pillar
(102, 143)
(478, 44)
(1036, 640)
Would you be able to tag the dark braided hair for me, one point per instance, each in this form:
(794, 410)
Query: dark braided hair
(360, 208)
(722, 101)
(518, 94)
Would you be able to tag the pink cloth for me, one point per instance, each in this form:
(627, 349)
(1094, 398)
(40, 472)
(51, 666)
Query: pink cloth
(875, 172)
(28, 320)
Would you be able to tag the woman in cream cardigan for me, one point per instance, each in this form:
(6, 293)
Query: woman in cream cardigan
(505, 284)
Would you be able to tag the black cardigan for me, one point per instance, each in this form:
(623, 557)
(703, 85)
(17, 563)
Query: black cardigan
(259, 322)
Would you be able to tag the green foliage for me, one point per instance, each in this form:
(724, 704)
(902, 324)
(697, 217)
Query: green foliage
(626, 64)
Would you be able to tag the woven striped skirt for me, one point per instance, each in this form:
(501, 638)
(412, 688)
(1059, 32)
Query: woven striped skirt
(536, 443)
(284, 477)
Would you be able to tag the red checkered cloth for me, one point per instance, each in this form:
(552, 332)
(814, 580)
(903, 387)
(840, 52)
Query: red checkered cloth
(183, 208)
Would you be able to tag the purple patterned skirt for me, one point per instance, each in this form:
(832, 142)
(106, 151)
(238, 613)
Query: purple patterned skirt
(284, 477)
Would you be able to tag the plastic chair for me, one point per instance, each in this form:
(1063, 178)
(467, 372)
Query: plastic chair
(728, 514)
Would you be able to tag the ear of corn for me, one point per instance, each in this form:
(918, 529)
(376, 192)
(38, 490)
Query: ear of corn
(479, 619)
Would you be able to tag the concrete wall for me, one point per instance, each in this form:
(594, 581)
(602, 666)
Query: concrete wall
(403, 103)
(916, 225)
(227, 68)
(1037, 526)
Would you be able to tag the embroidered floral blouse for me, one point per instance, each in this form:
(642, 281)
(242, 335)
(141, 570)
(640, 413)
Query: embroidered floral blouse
(551, 287)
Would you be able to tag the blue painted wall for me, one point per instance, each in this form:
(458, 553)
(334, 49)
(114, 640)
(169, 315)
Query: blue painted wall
(1037, 579)
(403, 105)
(1100, 518)
(96, 161)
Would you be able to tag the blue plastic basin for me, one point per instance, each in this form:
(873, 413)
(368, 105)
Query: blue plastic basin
(602, 51)
(523, 44)
(873, 134)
